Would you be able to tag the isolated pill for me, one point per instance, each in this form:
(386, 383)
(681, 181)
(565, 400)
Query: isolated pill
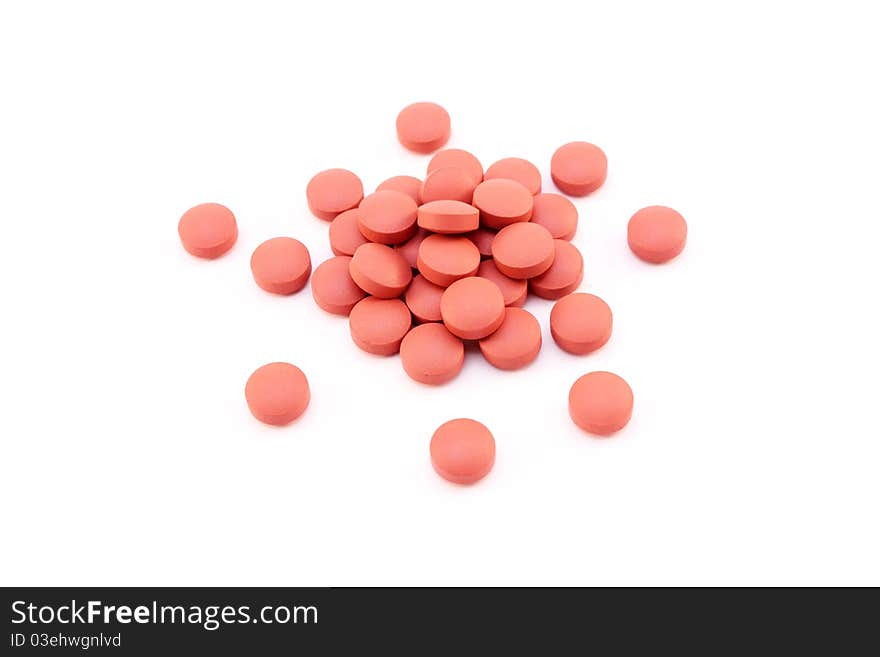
(345, 235)
(472, 308)
(423, 127)
(333, 288)
(387, 217)
(380, 270)
(513, 290)
(502, 202)
(564, 275)
(409, 185)
(516, 343)
(578, 168)
(208, 230)
(483, 238)
(333, 191)
(449, 217)
(378, 325)
(458, 158)
(462, 451)
(657, 234)
(443, 259)
(557, 214)
(281, 265)
(447, 184)
(580, 323)
(431, 354)
(523, 250)
(518, 169)
(277, 393)
(410, 249)
(600, 402)
(423, 299)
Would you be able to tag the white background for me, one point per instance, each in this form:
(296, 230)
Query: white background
(128, 453)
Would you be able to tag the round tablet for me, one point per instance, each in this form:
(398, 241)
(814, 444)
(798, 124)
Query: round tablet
(447, 184)
(207, 230)
(523, 250)
(387, 217)
(345, 236)
(557, 214)
(443, 259)
(518, 169)
(513, 290)
(600, 402)
(333, 288)
(516, 343)
(502, 202)
(483, 238)
(564, 275)
(423, 299)
(455, 157)
(431, 354)
(580, 323)
(423, 127)
(380, 270)
(409, 185)
(277, 393)
(657, 234)
(333, 191)
(378, 325)
(449, 217)
(410, 249)
(281, 265)
(472, 308)
(462, 451)
(578, 168)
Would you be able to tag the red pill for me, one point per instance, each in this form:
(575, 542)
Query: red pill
(277, 393)
(564, 275)
(423, 299)
(600, 402)
(472, 308)
(447, 184)
(387, 217)
(281, 265)
(378, 325)
(523, 250)
(423, 127)
(380, 270)
(578, 168)
(431, 354)
(462, 451)
(557, 214)
(502, 202)
(513, 290)
(410, 249)
(345, 236)
(208, 230)
(333, 288)
(450, 217)
(483, 238)
(455, 157)
(580, 323)
(409, 185)
(516, 343)
(518, 169)
(657, 234)
(333, 191)
(443, 259)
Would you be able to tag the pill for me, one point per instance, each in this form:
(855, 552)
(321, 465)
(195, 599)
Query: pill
(657, 234)
(423, 299)
(448, 217)
(600, 402)
(564, 275)
(378, 325)
(516, 343)
(443, 259)
(518, 169)
(333, 288)
(455, 157)
(523, 250)
(281, 265)
(578, 168)
(580, 323)
(472, 308)
(449, 184)
(332, 192)
(513, 290)
(431, 354)
(207, 230)
(423, 127)
(410, 249)
(502, 202)
(462, 451)
(345, 236)
(380, 270)
(277, 393)
(483, 237)
(387, 217)
(409, 185)
(557, 214)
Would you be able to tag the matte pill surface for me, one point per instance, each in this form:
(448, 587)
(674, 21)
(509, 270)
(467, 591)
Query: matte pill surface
(564, 275)
(281, 265)
(513, 290)
(423, 127)
(580, 323)
(277, 393)
(387, 217)
(333, 191)
(483, 238)
(380, 270)
(333, 288)
(518, 169)
(657, 234)
(448, 217)
(208, 230)
(502, 202)
(447, 183)
(443, 259)
(578, 168)
(431, 354)
(462, 451)
(472, 308)
(523, 250)
(378, 325)
(423, 299)
(455, 157)
(345, 236)
(516, 343)
(410, 249)
(600, 402)
(409, 185)
(557, 214)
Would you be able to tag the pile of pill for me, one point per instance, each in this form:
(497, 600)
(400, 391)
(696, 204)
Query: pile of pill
(422, 266)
